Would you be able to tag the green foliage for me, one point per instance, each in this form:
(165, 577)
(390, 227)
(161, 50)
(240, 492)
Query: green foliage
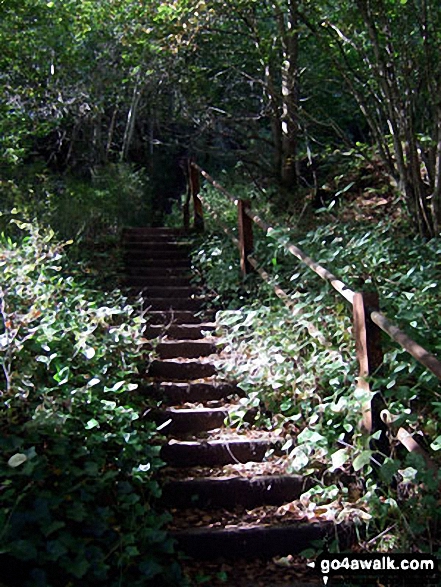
(298, 364)
(117, 195)
(78, 455)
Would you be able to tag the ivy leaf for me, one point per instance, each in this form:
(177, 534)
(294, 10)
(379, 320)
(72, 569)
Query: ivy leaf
(89, 352)
(363, 459)
(150, 569)
(92, 423)
(308, 435)
(17, 460)
(79, 567)
(436, 444)
(339, 458)
(56, 525)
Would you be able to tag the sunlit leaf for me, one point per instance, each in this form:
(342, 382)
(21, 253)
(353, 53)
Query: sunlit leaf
(339, 458)
(361, 460)
(92, 423)
(17, 460)
(89, 352)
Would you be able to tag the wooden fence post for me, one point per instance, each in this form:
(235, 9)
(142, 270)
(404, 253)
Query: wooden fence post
(246, 243)
(195, 188)
(186, 206)
(370, 359)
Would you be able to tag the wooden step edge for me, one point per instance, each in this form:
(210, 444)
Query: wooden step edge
(180, 371)
(158, 271)
(146, 281)
(154, 230)
(174, 393)
(189, 332)
(186, 304)
(189, 349)
(189, 420)
(177, 317)
(166, 292)
(214, 452)
(231, 491)
(259, 540)
(163, 264)
(166, 243)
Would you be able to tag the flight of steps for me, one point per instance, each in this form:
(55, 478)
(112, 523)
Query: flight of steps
(216, 479)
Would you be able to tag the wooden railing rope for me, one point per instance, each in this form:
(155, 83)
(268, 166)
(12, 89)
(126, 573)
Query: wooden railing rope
(366, 313)
(419, 353)
(280, 293)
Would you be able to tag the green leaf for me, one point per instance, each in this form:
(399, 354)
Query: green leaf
(17, 460)
(308, 435)
(53, 527)
(363, 459)
(388, 470)
(436, 444)
(150, 569)
(89, 352)
(79, 567)
(92, 423)
(339, 458)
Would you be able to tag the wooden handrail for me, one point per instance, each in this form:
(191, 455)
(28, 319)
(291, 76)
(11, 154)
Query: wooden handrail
(427, 359)
(368, 320)
(419, 353)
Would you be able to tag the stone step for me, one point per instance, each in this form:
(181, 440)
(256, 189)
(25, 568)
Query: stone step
(191, 420)
(214, 453)
(132, 241)
(166, 265)
(151, 271)
(169, 291)
(169, 317)
(187, 349)
(232, 491)
(180, 331)
(162, 280)
(153, 245)
(158, 254)
(153, 232)
(187, 304)
(260, 541)
(175, 393)
(180, 370)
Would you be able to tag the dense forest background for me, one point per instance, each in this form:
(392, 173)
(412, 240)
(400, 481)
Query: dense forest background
(272, 85)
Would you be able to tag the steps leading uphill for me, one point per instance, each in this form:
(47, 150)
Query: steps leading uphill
(226, 490)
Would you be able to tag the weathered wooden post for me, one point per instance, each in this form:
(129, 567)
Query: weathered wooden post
(195, 188)
(370, 359)
(186, 206)
(246, 243)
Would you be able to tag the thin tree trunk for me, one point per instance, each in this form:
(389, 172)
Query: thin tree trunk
(111, 131)
(288, 24)
(130, 124)
(275, 119)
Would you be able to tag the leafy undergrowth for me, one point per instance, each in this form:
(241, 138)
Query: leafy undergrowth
(78, 455)
(298, 364)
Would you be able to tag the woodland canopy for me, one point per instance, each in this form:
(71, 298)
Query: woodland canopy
(270, 84)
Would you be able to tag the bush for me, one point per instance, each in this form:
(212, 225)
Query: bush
(299, 370)
(78, 455)
(118, 195)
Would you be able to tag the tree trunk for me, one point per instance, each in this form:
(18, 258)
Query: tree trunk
(130, 124)
(403, 98)
(275, 120)
(288, 27)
